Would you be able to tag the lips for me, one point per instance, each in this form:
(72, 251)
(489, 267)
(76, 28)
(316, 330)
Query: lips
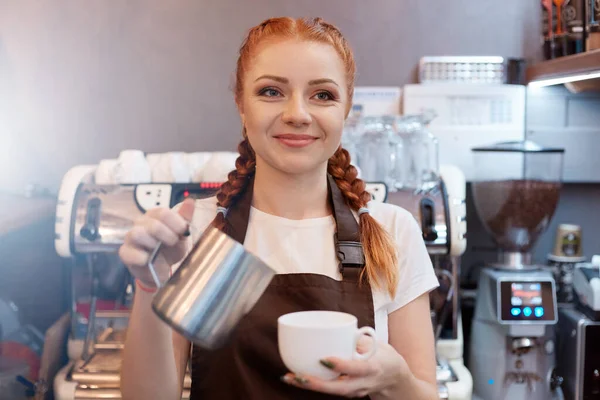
(295, 140)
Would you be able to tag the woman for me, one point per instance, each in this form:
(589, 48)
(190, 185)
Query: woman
(292, 191)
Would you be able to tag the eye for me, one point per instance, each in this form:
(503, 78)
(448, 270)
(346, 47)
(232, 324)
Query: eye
(324, 96)
(269, 92)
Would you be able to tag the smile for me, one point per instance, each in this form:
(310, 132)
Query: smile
(296, 141)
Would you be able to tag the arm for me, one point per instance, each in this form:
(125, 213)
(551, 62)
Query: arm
(411, 335)
(154, 358)
(403, 369)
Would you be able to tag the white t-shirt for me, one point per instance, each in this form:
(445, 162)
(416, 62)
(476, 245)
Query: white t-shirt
(306, 246)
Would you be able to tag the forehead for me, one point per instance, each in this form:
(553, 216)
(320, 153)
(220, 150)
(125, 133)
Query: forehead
(298, 61)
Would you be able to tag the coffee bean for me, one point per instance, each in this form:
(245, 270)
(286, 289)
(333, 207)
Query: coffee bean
(516, 212)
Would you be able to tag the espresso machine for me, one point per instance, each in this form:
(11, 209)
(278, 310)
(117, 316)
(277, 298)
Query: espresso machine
(512, 351)
(578, 348)
(400, 152)
(92, 219)
(439, 208)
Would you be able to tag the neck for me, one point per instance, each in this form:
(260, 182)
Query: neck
(291, 196)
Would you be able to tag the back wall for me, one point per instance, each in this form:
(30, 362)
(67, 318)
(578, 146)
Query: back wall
(81, 81)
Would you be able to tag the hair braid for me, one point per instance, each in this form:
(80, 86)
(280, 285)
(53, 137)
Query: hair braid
(237, 182)
(379, 249)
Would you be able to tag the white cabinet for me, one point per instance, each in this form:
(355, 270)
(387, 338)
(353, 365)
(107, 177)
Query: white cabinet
(558, 118)
(475, 115)
(469, 116)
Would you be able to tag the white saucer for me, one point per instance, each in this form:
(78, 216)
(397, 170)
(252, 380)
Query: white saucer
(565, 259)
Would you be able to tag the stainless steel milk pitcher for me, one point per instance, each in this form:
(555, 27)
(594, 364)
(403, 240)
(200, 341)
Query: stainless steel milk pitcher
(215, 286)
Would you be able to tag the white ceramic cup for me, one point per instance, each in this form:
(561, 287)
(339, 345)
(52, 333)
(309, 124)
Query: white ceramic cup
(170, 168)
(105, 173)
(218, 166)
(306, 337)
(196, 162)
(132, 167)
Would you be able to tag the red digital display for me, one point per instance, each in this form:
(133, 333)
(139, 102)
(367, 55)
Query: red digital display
(210, 185)
(526, 294)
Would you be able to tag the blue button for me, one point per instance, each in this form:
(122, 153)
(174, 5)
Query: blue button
(490, 381)
(527, 311)
(515, 311)
(539, 312)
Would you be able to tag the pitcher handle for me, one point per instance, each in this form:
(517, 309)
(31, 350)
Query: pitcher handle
(151, 261)
(153, 256)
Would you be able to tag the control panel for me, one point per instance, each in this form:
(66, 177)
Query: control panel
(526, 302)
(149, 196)
(167, 195)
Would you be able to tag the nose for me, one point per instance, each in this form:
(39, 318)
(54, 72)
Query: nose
(296, 112)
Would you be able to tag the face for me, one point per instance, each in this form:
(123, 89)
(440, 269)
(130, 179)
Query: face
(293, 105)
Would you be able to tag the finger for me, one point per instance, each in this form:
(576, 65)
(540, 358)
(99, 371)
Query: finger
(187, 209)
(133, 256)
(139, 237)
(346, 387)
(161, 232)
(353, 368)
(171, 219)
(364, 345)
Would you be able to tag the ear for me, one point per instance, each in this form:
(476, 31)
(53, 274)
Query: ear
(243, 120)
(240, 108)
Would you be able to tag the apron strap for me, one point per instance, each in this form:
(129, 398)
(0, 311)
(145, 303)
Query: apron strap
(347, 238)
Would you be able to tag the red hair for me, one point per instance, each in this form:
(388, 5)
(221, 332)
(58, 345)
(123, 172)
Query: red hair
(380, 251)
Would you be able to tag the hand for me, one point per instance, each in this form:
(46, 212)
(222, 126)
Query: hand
(385, 370)
(157, 225)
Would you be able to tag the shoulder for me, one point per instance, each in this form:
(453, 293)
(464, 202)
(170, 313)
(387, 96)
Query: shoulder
(405, 231)
(416, 275)
(206, 205)
(203, 208)
(205, 211)
(397, 221)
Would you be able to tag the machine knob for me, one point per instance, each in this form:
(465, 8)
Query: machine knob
(90, 229)
(555, 380)
(89, 232)
(428, 220)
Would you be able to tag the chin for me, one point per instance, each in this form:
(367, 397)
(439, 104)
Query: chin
(299, 165)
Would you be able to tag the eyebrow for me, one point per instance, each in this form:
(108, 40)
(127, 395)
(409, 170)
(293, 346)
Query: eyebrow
(321, 81)
(274, 78)
(286, 81)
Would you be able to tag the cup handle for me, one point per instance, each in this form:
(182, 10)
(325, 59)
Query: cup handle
(365, 330)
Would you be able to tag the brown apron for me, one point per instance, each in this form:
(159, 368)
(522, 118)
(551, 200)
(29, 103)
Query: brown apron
(250, 367)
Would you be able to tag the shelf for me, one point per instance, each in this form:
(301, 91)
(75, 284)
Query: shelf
(565, 68)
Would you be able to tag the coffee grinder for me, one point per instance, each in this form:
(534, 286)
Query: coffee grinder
(516, 190)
